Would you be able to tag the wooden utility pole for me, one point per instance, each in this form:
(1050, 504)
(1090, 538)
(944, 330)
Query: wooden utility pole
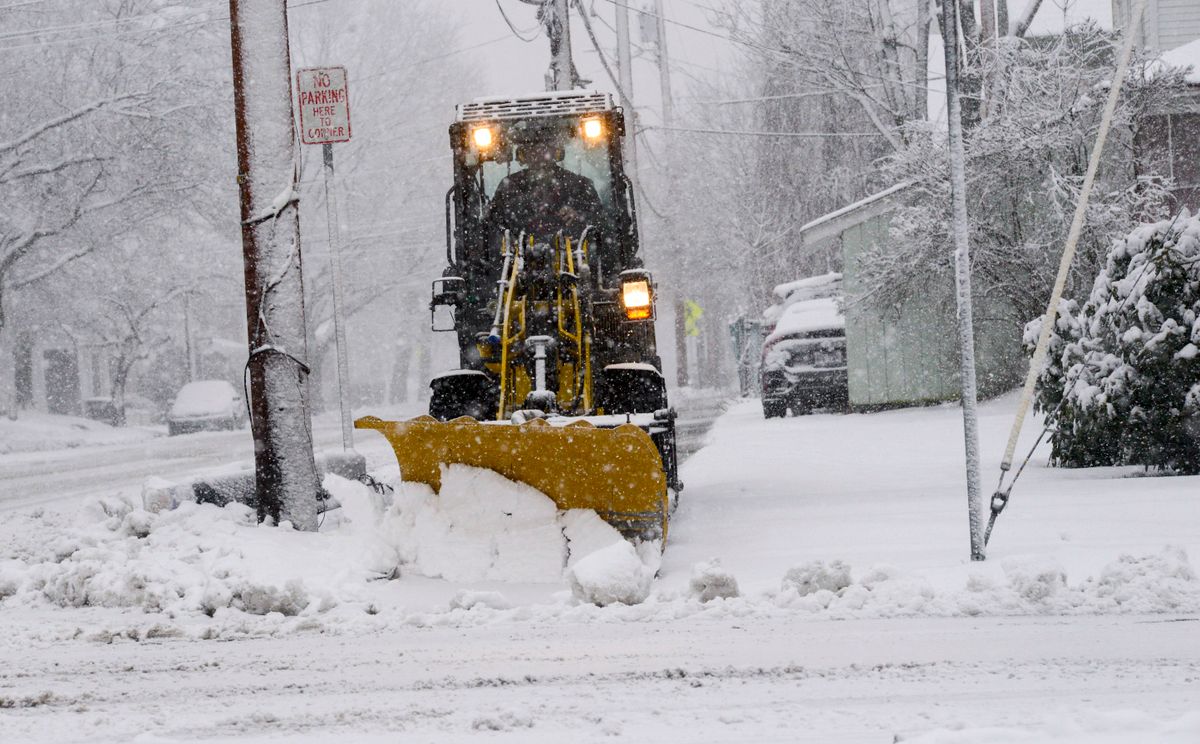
(962, 275)
(285, 473)
(561, 75)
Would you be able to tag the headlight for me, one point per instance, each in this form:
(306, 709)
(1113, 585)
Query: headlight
(483, 137)
(636, 299)
(593, 129)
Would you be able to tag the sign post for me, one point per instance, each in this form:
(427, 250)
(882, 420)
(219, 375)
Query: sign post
(324, 120)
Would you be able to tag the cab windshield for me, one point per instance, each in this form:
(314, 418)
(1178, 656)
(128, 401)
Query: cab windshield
(589, 160)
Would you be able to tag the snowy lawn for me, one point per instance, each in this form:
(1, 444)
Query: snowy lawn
(885, 493)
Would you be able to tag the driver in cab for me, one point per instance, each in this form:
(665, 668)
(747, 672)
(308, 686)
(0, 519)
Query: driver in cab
(544, 197)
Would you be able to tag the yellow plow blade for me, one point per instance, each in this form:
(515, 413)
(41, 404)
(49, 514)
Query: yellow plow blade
(616, 472)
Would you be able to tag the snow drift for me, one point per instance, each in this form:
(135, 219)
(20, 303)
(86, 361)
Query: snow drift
(200, 558)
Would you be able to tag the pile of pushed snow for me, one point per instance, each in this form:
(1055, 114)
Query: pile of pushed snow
(482, 526)
(200, 558)
(206, 559)
(611, 575)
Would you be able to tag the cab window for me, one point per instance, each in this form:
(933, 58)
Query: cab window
(586, 160)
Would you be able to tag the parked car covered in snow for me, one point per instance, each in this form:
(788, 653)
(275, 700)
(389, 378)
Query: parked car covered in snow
(804, 355)
(206, 404)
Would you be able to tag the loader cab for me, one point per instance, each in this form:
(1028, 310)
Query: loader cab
(488, 140)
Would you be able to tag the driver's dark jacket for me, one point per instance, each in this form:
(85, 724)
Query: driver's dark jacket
(543, 201)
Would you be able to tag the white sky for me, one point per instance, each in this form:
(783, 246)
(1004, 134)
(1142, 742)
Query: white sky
(1055, 15)
(516, 67)
(1052, 17)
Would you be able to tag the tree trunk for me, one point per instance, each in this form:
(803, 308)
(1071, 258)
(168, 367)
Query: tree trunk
(23, 371)
(922, 81)
(119, 381)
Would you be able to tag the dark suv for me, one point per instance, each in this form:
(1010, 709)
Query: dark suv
(804, 360)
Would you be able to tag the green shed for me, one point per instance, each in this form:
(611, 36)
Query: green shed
(908, 354)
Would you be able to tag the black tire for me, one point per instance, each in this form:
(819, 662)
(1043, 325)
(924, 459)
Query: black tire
(473, 395)
(631, 390)
(774, 408)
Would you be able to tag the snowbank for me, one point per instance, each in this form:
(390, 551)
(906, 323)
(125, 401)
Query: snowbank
(205, 559)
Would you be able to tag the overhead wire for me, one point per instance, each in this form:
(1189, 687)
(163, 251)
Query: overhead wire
(697, 29)
(750, 133)
(115, 22)
(537, 30)
(587, 25)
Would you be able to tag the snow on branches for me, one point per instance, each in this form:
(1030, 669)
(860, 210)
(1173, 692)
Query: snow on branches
(1123, 385)
(1025, 167)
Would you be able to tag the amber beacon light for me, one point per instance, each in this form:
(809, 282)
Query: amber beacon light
(637, 295)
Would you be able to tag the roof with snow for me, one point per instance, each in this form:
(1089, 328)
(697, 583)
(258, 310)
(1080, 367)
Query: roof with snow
(823, 285)
(1187, 55)
(808, 316)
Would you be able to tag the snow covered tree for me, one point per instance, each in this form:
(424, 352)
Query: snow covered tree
(1124, 383)
(115, 132)
(1025, 165)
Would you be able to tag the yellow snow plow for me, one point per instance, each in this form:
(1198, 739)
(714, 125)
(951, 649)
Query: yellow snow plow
(617, 472)
(559, 384)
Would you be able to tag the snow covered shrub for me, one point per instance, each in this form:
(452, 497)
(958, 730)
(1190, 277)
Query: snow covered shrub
(816, 576)
(1124, 386)
(710, 581)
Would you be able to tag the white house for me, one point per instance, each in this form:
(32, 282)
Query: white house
(1167, 24)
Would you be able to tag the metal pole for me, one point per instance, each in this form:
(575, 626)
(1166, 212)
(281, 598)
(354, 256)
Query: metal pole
(668, 116)
(339, 320)
(962, 277)
(285, 474)
(625, 73)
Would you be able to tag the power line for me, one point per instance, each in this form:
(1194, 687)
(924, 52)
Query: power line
(697, 29)
(747, 133)
(21, 4)
(434, 58)
(89, 25)
(587, 25)
(536, 30)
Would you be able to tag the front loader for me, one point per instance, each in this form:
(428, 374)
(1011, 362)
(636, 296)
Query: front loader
(559, 383)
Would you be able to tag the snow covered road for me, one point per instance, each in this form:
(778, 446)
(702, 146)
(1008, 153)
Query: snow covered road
(859, 618)
(697, 680)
